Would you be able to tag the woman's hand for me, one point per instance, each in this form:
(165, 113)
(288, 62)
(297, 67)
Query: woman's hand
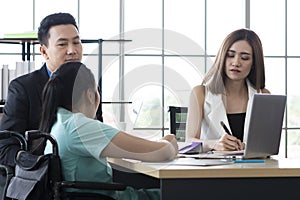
(172, 139)
(228, 143)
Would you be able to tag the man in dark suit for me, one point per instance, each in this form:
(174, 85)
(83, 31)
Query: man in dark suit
(60, 42)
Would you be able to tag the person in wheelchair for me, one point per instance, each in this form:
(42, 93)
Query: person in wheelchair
(59, 40)
(69, 104)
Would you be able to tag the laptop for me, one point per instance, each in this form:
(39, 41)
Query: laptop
(263, 130)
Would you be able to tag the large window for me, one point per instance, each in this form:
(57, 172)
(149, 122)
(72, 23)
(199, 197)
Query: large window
(169, 46)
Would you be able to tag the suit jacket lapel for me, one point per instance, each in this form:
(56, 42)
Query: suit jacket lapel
(42, 77)
(216, 113)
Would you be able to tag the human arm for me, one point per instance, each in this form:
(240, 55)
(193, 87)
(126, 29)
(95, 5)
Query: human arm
(194, 123)
(124, 145)
(22, 110)
(226, 143)
(266, 91)
(14, 118)
(229, 142)
(15, 111)
(195, 113)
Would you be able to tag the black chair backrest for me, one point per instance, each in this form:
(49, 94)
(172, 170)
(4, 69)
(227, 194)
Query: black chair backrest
(178, 117)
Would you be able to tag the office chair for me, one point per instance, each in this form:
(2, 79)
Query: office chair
(40, 177)
(178, 116)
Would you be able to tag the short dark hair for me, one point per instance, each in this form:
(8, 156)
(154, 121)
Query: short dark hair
(53, 20)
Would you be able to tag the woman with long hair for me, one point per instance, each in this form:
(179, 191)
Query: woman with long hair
(225, 94)
(70, 101)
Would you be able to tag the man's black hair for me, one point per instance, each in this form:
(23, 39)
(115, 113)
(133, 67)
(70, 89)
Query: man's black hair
(53, 20)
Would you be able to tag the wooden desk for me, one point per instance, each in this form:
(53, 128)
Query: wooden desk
(274, 179)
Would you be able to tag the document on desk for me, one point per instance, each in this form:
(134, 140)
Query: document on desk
(200, 162)
(221, 154)
(237, 152)
(186, 162)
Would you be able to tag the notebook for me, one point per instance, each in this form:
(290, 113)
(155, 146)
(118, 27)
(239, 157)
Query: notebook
(263, 130)
(192, 148)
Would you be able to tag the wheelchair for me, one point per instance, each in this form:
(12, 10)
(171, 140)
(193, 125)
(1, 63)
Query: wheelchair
(7, 172)
(40, 177)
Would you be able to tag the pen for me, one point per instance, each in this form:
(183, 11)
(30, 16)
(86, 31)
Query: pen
(225, 128)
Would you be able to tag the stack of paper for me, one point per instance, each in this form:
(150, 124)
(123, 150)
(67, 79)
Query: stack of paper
(8, 74)
(5, 81)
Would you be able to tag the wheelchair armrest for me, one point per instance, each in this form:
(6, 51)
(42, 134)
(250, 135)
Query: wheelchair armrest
(8, 134)
(92, 185)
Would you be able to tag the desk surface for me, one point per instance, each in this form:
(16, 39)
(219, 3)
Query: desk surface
(270, 168)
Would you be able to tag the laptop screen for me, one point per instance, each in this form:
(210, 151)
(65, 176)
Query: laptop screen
(263, 130)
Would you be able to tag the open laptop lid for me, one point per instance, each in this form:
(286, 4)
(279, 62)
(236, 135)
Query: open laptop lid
(265, 125)
(263, 130)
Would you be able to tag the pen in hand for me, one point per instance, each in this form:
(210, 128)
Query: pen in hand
(225, 128)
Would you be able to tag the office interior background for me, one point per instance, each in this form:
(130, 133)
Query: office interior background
(154, 52)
